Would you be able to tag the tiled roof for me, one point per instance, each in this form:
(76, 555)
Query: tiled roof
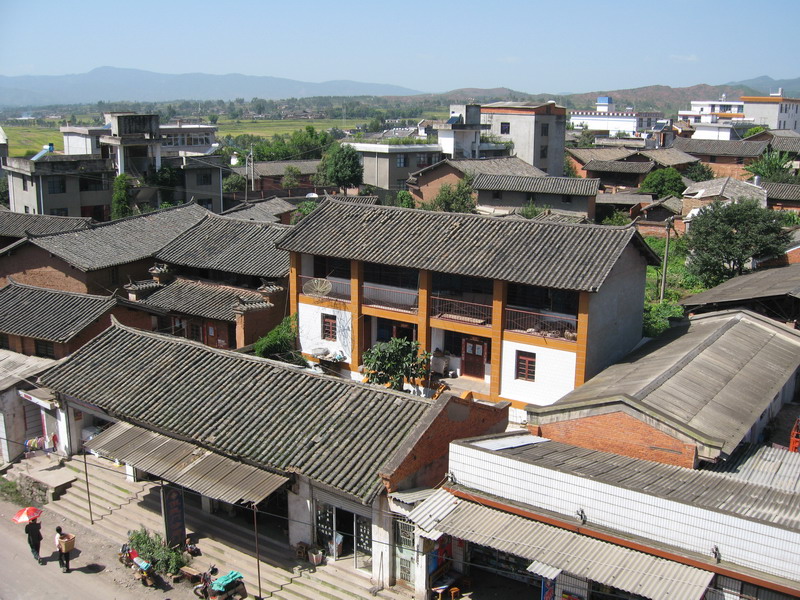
(506, 165)
(337, 432)
(265, 211)
(277, 168)
(668, 157)
(782, 191)
(577, 257)
(229, 245)
(712, 382)
(46, 314)
(626, 199)
(766, 283)
(619, 166)
(584, 155)
(786, 144)
(740, 148)
(671, 203)
(556, 216)
(123, 241)
(203, 299)
(727, 187)
(573, 186)
(355, 199)
(19, 225)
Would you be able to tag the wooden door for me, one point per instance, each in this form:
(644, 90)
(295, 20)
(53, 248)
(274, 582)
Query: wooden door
(473, 357)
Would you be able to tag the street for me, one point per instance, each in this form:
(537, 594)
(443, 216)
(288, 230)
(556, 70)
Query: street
(95, 573)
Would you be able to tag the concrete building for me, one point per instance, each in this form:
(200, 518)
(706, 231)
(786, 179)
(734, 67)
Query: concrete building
(711, 111)
(773, 111)
(606, 117)
(388, 166)
(536, 130)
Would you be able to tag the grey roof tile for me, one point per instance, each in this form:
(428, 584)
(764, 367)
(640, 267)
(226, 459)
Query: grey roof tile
(266, 211)
(558, 255)
(46, 314)
(786, 144)
(506, 165)
(619, 166)
(740, 148)
(727, 187)
(573, 186)
(668, 157)
(19, 225)
(229, 245)
(355, 199)
(336, 432)
(584, 155)
(781, 281)
(782, 191)
(123, 241)
(277, 168)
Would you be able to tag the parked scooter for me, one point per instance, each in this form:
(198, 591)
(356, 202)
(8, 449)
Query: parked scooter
(143, 570)
(221, 588)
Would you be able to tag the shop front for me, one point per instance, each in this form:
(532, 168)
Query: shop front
(343, 530)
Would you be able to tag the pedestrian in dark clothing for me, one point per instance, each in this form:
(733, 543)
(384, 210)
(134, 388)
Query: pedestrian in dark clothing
(34, 531)
(63, 557)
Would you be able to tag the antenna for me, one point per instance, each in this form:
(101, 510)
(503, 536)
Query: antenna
(317, 287)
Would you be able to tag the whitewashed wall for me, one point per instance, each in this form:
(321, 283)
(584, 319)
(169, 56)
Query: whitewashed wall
(309, 324)
(555, 374)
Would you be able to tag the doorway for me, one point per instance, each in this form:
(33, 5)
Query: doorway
(473, 355)
(344, 535)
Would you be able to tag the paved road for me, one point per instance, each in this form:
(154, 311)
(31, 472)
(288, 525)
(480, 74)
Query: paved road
(96, 573)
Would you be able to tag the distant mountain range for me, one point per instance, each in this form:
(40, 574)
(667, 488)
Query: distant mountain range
(768, 85)
(111, 85)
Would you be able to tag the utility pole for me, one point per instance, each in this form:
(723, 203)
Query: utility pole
(664, 265)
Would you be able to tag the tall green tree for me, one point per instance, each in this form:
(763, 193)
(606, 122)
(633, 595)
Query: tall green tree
(121, 197)
(663, 183)
(392, 363)
(291, 178)
(234, 183)
(699, 172)
(342, 166)
(723, 237)
(458, 199)
(772, 166)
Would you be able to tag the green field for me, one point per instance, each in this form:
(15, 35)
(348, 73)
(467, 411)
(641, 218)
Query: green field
(25, 141)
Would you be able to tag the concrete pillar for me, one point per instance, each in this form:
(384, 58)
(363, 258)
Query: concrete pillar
(300, 512)
(207, 504)
(120, 159)
(157, 156)
(382, 548)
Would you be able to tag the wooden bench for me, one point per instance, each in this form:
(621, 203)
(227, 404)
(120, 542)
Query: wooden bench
(190, 574)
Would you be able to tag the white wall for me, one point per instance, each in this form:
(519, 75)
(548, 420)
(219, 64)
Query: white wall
(741, 541)
(611, 123)
(75, 143)
(309, 324)
(555, 374)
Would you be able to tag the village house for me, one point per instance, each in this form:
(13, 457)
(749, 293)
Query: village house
(727, 158)
(267, 176)
(100, 258)
(782, 196)
(622, 168)
(512, 309)
(724, 189)
(325, 450)
(222, 282)
(265, 210)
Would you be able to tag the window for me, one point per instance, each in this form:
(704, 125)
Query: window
(27, 210)
(204, 178)
(390, 275)
(401, 160)
(545, 129)
(402, 184)
(92, 183)
(59, 212)
(497, 195)
(44, 349)
(4, 344)
(543, 152)
(205, 203)
(57, 184)
(24, 183)
(565, 199)
(113, 275)
(329, 327)
(195, 332)
(526, 366)
(505, 127)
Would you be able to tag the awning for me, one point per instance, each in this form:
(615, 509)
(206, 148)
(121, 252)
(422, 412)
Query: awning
(552, 549)
(186, 464)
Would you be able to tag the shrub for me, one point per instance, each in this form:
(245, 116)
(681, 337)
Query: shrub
(151, 547)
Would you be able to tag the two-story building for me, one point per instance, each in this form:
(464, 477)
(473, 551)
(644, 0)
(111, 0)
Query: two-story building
(606, 117)
(518, 310)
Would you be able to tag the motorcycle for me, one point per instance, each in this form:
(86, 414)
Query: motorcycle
(143, 570)
(221, 588)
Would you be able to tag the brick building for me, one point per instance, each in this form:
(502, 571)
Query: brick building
(727, 158)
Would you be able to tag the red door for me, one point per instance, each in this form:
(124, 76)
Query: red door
(473, 357)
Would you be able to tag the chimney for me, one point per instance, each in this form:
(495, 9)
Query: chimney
(161, 273)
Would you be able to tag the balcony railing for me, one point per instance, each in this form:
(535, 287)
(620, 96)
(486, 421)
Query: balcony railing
(331, 289)
(390, 298)
(460, 311)
(543, 325)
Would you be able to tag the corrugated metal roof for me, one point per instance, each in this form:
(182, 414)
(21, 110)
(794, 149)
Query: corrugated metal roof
(552, 549)
(51, 315)
(764, 465)
(727, 187)
(668, 157)
(264, 211)
(14, 367)
(584, 155)
(781, 281)
(230, 245)
(557, 255)
(186, 464)
(412, 496)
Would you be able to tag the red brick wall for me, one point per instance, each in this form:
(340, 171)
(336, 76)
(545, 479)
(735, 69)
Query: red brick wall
(33, 266)
(429, 183)
(790, 258)
(578, 166)
(657, 228)
(425, 465)
(621, 434)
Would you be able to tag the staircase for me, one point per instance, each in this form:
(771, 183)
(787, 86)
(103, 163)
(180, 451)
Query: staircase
(119, 505)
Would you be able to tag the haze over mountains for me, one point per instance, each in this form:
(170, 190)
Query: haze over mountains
(111, 84)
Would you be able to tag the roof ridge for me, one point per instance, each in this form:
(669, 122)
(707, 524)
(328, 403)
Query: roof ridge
(14, 283)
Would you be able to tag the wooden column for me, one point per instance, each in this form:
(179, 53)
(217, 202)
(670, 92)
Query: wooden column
(498, 325)
(357, 326)
(294, 282)
(423, 310)
(583, 335)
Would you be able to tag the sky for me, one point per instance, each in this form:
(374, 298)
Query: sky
(429, 46)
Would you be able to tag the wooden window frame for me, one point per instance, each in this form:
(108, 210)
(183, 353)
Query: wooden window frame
(525, 366)
(328, 327)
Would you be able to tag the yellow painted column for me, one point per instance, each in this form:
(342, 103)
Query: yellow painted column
(581, 343)
(357, 327)
(423, 310)
(498, 324)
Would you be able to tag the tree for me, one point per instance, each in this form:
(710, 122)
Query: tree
(234, 183)
(723, 237)
(754, 131)
(121, 197)
(291, 178)
(458, 199)
(303, 210)
(618, 217)
(656, 317)
(530, 210)
(166, 179)
(392, 363)
(585, 139)
(772, 166)
(279, 344)
(569, 168)
(699, 172)
(663, 183)
(213, 118)
(342, 166)
(4, 197)
(405, 199)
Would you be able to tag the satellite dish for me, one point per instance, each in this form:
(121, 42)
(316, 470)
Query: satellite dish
(317, 287)
(312, 195)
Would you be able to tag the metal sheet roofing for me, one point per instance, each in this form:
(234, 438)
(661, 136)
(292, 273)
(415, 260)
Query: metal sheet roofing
(584, 155)
(552, 549)
(573, 186)
(668, 157)
(19, 225)
(558, 255)
(712, 381)
(15, 367)
(186, 464)
(277, 168)
(204, 299)
(51, 315)
(125, 240)
(505, 165)
(334, 431)
(766, 283)
(773, 467)
(231, 246)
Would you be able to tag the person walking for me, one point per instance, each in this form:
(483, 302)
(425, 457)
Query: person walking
(63, 557)
(34, 531)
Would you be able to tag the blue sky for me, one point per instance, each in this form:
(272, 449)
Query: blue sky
(432, 46)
